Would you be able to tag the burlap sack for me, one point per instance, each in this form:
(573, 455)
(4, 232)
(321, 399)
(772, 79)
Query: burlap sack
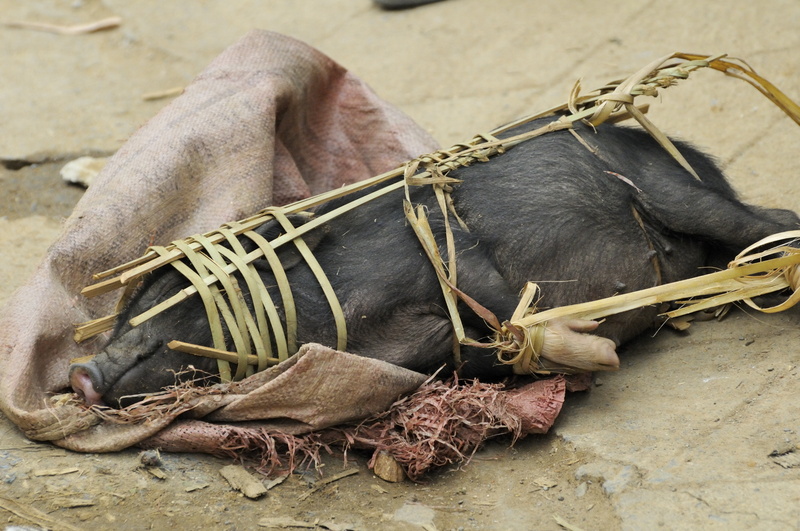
(268, 122)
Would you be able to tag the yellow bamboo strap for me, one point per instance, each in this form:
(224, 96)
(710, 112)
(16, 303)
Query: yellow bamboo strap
(256, 327)
(322, 279)
(418, 221)
(207, 295)
(238, 319)
(437, 166)
(94, 327)
(286, 343)
(749, 275)
(245, 329)
(208, 352)
(612, 103)
(523, 345)
(204, 265)
(212, 265)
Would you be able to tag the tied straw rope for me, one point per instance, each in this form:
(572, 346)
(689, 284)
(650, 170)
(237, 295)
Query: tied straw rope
(521, 340)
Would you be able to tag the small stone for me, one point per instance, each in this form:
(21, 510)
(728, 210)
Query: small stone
(83, 170)
(387, 468)
(379, 489)
(150, 458)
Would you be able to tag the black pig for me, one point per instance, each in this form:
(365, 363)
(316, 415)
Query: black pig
(584, 225)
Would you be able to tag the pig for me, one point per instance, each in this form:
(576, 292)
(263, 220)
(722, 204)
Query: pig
(584, 224)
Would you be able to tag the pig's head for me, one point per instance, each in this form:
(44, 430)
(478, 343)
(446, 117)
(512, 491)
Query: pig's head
(137, 360)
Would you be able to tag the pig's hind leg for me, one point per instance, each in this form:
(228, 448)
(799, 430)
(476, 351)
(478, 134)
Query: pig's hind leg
(707, 209)
(417, 333)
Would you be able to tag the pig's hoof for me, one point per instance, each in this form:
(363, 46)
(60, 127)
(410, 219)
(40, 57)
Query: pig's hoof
(567, 344)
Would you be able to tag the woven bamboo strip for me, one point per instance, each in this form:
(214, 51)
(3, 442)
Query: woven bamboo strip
(749, 275)
(612, 102)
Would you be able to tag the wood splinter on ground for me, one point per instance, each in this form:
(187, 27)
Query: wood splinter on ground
(787, 457)
(566, 525)
(55, 471)
(71, 503)
(286, 522)
(75, 29)
(320, 484)
(160, 94)
(156, 473)
(239, 479)
(35, 516)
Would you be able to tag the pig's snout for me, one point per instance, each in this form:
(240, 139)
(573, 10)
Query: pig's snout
(82, 377)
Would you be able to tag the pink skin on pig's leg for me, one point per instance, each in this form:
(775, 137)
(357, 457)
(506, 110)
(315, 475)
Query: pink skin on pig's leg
(567, 343)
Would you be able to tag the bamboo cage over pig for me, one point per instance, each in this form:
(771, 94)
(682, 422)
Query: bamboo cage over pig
(213, 261)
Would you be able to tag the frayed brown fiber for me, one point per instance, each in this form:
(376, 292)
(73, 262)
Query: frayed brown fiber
(276, 452)
(442, 423)
(173, 401)
(445, 423)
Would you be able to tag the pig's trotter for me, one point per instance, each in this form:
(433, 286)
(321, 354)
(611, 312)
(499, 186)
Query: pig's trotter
(567, 343)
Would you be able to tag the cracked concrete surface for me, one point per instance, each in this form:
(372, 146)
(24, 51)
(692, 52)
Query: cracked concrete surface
(679, 438)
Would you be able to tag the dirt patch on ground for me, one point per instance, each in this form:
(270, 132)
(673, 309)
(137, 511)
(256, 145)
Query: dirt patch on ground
(527, 486)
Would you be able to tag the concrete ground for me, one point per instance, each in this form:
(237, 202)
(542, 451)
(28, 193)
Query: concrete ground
(679, 438)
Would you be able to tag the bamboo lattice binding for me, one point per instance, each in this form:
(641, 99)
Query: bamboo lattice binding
(520, 341)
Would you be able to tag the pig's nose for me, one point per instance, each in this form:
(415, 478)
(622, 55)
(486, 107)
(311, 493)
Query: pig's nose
(81, 377)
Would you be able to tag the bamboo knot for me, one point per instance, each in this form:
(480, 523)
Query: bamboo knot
(520, 344)
(522, 347)
(616, 97)
(781, 253)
